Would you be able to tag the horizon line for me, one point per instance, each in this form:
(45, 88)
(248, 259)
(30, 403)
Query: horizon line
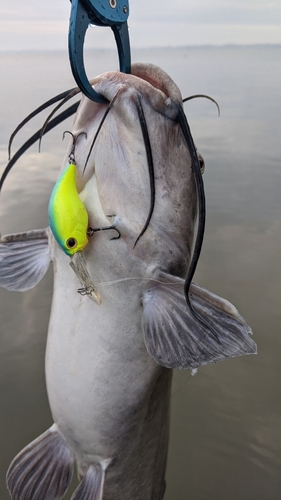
(154, 47)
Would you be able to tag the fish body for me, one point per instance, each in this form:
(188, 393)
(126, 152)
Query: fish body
(125, 376)
(109, 366)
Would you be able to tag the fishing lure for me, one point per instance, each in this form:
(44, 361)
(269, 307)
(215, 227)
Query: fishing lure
(68, 220)
(68, 216)
(69, 223)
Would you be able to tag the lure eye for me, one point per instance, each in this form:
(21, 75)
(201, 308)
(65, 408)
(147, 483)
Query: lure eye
(71, 243)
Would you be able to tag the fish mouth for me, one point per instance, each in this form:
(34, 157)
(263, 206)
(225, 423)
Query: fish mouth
(78, 264)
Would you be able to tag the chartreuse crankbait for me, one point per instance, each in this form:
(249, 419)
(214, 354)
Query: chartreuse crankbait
(68, 216)
(69, 223)
(68, 219)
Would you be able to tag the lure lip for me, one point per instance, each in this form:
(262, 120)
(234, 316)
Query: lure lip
(78, 264)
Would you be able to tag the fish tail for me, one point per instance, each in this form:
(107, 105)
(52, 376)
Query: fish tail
(42, 470)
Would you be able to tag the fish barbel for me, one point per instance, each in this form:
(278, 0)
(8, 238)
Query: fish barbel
(109, 366)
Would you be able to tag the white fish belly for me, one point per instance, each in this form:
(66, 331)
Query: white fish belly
(98, 372)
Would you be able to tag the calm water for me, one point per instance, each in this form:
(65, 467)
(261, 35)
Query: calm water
(226, 421)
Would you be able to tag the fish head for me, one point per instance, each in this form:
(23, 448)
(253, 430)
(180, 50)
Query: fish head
(136, 150)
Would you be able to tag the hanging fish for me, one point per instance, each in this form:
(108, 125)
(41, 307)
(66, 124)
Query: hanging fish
(109, 367)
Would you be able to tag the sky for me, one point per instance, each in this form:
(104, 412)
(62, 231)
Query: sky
(43, 24)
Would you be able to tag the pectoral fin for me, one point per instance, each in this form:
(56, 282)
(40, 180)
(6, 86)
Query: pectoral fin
(24, 259)
(176, 339)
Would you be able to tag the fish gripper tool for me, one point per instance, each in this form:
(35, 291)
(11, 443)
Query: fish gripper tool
(110, 13)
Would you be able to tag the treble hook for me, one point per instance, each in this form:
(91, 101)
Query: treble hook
(92, 230)
(74, 137)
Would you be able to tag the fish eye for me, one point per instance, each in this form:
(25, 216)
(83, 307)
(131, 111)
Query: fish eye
(71, 243)
(201, 162)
